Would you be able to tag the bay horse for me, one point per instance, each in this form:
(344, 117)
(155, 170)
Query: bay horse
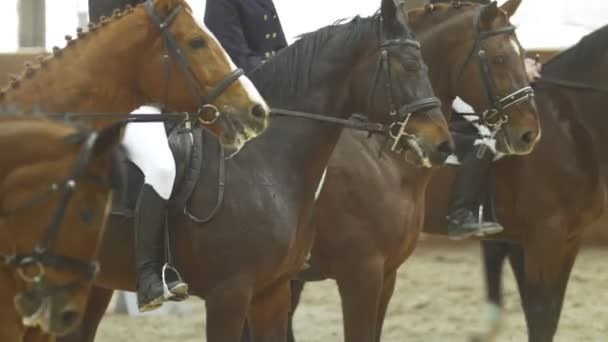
(155, 52)
(152, 53)
(572, 101)
(54, 200)
(370, 212)
(241, 261)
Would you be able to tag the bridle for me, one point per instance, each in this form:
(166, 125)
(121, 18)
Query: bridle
(400, 114)
(43, 256)
(207, 112)
(494, 116)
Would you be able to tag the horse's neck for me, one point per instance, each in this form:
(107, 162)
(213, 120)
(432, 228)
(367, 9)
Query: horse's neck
(92, 72)
(589, 106)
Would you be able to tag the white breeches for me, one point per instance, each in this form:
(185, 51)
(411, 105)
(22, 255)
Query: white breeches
(148, 147)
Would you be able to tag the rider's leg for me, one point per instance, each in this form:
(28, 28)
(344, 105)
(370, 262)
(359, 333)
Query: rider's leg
(147, 146)
(470, 180)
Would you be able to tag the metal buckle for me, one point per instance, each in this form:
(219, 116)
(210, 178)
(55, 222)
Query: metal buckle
(213, 111)
(27, 262)
(401, 133)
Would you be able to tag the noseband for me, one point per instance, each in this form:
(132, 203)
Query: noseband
(495, 115)
(43, 256)
(207, 112)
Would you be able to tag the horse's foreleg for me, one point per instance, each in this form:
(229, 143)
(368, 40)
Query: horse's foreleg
(99, 299)
(547, 265)
(493, 255)
(227, 307)
(360, 283)
(297, 287)
(388, 287)
(268, 315)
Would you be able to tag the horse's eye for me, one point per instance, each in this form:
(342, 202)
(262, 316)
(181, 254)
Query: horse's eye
(412, 66)
(499, 60)
(197, 43)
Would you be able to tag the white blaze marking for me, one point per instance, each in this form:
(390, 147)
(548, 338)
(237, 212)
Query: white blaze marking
(515, 46)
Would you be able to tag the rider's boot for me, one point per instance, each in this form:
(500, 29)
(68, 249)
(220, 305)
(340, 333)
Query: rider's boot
(470, 179)
(150, 223)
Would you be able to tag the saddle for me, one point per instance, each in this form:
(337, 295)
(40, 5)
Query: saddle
(188, 146)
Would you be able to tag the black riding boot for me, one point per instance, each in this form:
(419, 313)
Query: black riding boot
(149, 252)
(470, 179)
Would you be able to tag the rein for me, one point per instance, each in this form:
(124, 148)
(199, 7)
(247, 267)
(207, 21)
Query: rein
(400, 115)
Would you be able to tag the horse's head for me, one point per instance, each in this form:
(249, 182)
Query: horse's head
(488, 70)
(397, 84)
(185, 68)
(56, 190)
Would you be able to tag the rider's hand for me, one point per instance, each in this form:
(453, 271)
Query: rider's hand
(533, 69)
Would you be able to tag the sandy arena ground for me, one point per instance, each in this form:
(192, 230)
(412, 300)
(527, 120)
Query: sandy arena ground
(439, 297)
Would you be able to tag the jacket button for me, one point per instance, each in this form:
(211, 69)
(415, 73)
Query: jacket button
(267, 54)
(274, 35)
(265, 17)
(267, 35)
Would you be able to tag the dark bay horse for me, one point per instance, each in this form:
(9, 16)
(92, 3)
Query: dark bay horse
(572, 99)
(118, 65)
(370, 211)
(241, 262)
(54, 199)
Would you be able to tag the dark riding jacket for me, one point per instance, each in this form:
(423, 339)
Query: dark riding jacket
(99, 8)
(249, 30)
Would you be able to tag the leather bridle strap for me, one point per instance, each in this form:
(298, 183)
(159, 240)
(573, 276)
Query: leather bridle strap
(171, 47)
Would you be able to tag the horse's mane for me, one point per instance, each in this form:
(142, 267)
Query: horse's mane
(42, 61)
(580, 62)
(33, 68)
(292, 71)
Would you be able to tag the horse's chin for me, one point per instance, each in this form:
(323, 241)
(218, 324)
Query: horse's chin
(417, 160)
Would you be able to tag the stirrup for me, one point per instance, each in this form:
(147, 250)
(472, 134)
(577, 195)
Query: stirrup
(167, 294)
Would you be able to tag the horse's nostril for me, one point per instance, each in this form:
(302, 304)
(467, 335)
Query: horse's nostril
(69, 318)
(527, 137)
(259, 111)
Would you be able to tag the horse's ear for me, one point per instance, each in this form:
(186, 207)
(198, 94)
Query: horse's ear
(402, 12)
(510, 7)
(164, 7)
(388, 11)
(108, 139)
(489, 13)
(108, 151)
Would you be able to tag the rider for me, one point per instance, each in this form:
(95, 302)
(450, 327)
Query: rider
(249, 30)
(147, 147)
(475, 150)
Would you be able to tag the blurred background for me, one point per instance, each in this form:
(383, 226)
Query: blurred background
(543, 24)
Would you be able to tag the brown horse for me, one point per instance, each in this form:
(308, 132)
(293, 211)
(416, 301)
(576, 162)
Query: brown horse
(370, 212)
(241, 262)
(54, 199)
(118, 65)
(572, 101)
